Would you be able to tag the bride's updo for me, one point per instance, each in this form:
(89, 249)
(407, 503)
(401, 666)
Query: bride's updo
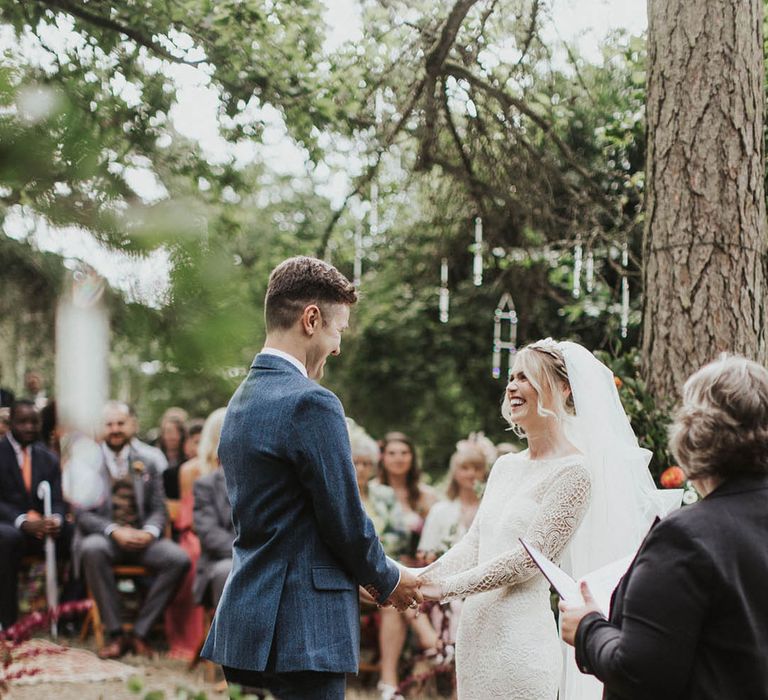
(544, 367)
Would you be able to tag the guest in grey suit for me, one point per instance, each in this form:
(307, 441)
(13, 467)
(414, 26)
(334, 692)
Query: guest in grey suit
(126, 528)
(288, 619)
(213, 525)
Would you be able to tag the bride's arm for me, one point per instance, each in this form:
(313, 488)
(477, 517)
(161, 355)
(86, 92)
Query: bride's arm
(558, 517)
(460, 557)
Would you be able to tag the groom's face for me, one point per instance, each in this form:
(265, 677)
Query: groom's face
(327, 338)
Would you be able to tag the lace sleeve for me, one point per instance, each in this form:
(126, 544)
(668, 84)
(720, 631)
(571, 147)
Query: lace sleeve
(460, 557)
(559, 514)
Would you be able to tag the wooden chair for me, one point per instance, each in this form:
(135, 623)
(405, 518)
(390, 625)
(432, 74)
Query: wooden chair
(93, 617)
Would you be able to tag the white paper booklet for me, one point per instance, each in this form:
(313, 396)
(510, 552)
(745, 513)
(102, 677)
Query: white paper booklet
(601, 582)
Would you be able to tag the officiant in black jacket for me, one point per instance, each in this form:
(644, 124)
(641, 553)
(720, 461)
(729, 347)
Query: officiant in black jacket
(689, 620)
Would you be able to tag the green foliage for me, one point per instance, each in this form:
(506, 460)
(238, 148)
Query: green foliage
(650, 418)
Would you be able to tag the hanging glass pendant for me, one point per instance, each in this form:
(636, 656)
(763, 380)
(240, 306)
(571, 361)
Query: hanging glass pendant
(445, 294)
(578, 253)
(477, 266)
(624, 291)
(505, 311)
(358, 264)
(590, 272)
(373, 220)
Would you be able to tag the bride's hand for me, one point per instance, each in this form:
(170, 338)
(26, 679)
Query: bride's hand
(431, 591)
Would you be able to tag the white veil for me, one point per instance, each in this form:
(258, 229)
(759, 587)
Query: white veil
(624, 499)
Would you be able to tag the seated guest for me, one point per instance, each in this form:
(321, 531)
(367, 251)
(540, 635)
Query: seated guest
(213, 517)
(173, 433)
(6, 397)
(126, 528)
(688, 619)
(192, 443)
(35, 388)
(449, 520)
(5, 420)
(24, 464)
(184, 616)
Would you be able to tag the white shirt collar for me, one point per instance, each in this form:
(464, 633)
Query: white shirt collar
(17, 448)
(286, 356)
(117, 463)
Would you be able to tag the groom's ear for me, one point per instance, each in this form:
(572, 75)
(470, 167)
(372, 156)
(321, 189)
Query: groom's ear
(311, 319)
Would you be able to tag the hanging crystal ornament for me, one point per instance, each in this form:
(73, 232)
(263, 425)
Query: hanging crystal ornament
(505, 311)
(590, 271)
(477, 266)
(624, 290)
(445, 294)
(578, 256)
(358, 264)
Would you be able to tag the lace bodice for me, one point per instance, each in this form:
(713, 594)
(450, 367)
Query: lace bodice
(542, 501)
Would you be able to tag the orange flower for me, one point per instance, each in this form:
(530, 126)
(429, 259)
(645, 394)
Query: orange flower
(617, 381)
(672, 477)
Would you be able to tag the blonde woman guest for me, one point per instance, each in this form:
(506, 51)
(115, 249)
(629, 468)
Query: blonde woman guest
(399, 470)
(449, 520)
(184, 617)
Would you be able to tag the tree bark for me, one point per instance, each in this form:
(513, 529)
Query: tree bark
(704, 247)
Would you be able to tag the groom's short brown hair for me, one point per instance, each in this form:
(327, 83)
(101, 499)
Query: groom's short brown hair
(297, 282)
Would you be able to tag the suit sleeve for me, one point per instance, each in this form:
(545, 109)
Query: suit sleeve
(324, 459)
(662, 612)
(214, 539)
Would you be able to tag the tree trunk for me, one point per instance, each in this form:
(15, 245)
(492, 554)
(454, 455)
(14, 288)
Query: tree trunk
(704, 248)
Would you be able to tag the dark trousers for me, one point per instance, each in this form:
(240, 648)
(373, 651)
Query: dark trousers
(167, 561)
(14, 546)
(293, 685)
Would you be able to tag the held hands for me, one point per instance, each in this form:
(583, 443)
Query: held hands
(571, 615)
(431, 591)
(407, 594)
(132, 539)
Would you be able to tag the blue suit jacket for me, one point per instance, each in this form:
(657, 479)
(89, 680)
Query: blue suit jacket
(303, 542)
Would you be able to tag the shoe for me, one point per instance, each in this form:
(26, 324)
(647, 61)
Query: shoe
(115, 649)
(388, 692)
(141, 648)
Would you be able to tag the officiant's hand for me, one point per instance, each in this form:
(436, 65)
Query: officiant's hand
(571, 615)
(407, 594)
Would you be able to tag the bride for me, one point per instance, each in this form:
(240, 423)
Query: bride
(581, 493)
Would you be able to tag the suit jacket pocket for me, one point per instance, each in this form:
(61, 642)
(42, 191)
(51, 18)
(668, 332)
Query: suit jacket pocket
(329, 578)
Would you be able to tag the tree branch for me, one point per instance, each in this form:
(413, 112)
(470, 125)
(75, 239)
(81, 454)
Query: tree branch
(106, 23)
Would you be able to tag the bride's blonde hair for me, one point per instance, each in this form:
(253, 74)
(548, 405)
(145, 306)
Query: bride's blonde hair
(544, 367)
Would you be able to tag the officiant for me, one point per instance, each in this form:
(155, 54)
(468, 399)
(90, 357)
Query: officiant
(688, 620)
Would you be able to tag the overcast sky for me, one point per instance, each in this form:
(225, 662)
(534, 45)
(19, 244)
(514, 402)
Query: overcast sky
(585, 22)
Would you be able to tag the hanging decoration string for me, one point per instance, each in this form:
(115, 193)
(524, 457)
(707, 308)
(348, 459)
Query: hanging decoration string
(590, 271)
(624, 290)
(505, 311)
(445, 294)
(578, 255)
(357, 272)
(477, 266)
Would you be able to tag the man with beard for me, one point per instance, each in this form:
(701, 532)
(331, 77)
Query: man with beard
(24, 463)
(126, 528)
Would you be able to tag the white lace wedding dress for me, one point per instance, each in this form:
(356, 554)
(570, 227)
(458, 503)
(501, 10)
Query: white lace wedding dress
(508, 644)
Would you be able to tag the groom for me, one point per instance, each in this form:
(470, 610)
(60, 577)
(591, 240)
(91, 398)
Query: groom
(288, 620)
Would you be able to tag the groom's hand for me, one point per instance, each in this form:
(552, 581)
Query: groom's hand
(407, 594)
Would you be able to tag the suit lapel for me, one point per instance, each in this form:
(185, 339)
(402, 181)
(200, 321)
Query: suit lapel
(9, 457)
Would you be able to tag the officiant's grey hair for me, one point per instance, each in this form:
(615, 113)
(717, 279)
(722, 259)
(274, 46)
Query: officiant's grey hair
(721, 428)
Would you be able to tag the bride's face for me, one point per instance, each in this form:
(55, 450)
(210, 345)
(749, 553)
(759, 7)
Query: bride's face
(523, 399)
